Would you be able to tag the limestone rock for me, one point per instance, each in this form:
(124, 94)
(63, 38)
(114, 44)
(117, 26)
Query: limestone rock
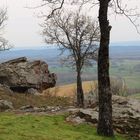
(27, 108)
(33, 91)
(20, 75)
(76, 120)
(4, 105)
(45, 109)
(126, 116)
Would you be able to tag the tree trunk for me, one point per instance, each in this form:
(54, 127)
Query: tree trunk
(80, 94)
(105, 96)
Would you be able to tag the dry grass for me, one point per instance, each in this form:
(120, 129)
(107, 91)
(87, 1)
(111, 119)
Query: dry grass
(60, 95)
(19, 100)
(70, 90)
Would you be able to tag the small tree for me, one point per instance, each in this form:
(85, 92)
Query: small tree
(78, 35)
(4, 45)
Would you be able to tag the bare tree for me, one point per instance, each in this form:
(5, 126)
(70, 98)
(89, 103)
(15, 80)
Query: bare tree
(78, 35)
(4, 44)
(105, 95)
(104, 90)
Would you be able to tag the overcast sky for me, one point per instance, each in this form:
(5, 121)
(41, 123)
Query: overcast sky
(22, 27)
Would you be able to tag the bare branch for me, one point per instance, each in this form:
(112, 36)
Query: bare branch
(3, 17)
(55, 9)
(4, 44)
(130, 13)
(73, 32)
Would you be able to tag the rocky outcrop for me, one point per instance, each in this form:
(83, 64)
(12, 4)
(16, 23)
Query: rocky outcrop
(126, 116)
(20, 75)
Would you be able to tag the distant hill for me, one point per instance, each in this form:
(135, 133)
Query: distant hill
(67, 75)
(125, 52)
(52, 55)
(126, 43)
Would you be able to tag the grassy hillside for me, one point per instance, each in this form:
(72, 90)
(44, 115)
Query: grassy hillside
(70, 89)
(31, 127)
(59, 95)
(19, 100)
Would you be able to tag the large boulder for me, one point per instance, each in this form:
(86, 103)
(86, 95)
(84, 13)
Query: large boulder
(20, 75)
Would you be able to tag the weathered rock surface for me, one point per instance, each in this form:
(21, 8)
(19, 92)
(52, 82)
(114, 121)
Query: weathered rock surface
(45, 109)
(4, 105)
(33, 91)
(126, 116)
(5, 89)
(20, 75)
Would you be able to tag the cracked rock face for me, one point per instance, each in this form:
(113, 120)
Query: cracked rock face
(20, 75)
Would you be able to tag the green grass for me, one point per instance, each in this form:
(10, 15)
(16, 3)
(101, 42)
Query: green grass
(37, 127)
